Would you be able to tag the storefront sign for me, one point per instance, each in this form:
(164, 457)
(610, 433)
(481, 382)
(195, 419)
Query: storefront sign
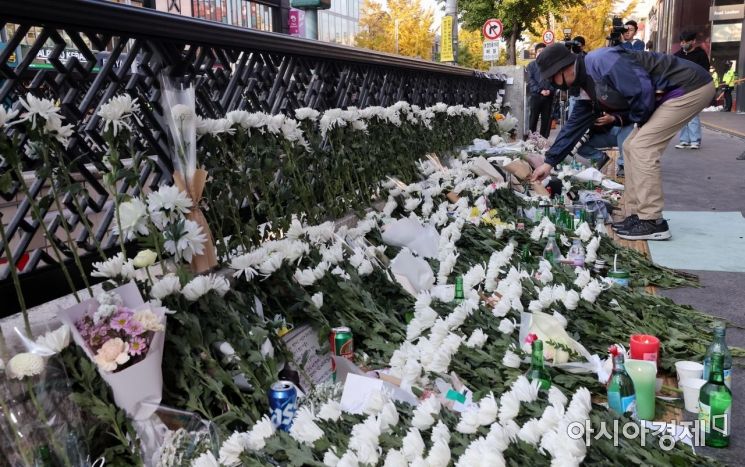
(446, 39)
(311, 4)
(294, 22)
(724, 12)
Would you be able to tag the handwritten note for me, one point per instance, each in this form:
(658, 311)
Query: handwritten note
(303, 343)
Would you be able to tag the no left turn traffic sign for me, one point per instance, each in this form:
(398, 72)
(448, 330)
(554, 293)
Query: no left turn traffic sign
(492, 29)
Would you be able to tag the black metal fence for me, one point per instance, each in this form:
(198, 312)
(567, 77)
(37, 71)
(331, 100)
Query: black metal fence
(83, 52)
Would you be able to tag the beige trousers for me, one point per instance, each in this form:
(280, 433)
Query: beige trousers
(643, 150)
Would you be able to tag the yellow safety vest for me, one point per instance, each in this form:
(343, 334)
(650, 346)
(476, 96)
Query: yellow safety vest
(729, 78)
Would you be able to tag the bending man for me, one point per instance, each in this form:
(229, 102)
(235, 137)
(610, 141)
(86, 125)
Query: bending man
(661, 93)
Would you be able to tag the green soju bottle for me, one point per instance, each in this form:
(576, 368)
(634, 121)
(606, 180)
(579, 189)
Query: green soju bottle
(715, 406)
(719, 345)
(621, 395)
(43, 457)
(459, 295)
(551, 253)
(537, 371)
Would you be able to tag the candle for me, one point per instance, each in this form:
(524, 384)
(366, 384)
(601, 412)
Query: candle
(644, 375)
(645, 347)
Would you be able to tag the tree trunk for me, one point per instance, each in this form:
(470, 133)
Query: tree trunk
(511, 49)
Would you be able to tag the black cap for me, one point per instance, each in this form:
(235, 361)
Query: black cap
(553, 59)
(688, 36)
(580, 39)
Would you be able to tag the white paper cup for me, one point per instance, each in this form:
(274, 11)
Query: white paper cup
(691, 388)
(688, 370)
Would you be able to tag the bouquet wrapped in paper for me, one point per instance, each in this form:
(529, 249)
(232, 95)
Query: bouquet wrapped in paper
(39, 422)
(180, 115)
(124, 336)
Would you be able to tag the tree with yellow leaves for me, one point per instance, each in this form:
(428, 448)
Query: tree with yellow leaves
(471, 50)
(592, 20)
(378, 25)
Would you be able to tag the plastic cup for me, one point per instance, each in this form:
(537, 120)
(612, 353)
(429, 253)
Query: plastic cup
(688, 370)
(691, 389)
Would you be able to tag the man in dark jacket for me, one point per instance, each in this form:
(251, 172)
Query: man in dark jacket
(690, 134)
(541, 97)
(658, 93)
(628, 37)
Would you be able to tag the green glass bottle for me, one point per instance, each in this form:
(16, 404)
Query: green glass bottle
(551, 253)
(719, 344)
(459, 295)
(715, 406)
(43, 457)
(621, 395)
(537, 371)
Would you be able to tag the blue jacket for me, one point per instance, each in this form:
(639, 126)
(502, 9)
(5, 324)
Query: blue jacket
(633, 44)
(535, 84)
(627, 84)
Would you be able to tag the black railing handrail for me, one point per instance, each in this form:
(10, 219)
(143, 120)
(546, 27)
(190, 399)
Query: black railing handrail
(144, 22)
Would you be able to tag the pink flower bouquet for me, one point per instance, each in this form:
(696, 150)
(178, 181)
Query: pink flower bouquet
(124, 336)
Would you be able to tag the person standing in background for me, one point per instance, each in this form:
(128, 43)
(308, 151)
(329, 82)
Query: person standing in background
(541, 97)
(728, 82)
(690, 134)
(628, 37)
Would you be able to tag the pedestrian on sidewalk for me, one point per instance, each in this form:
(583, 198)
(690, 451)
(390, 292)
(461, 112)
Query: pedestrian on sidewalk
(690, 134)
(541, 97)
(728, 83)
(660, 93)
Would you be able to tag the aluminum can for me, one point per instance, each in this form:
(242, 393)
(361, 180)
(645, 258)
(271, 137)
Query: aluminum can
(282, 397)
(342, 345)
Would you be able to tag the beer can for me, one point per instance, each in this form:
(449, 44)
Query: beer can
(342, 345)
(282, 397)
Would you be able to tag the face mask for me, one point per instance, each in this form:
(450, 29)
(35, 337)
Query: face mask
(686, 47)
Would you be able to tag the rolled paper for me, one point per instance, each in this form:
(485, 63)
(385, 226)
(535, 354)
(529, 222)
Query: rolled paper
(644, 375)
(645, 347)
(194, 188)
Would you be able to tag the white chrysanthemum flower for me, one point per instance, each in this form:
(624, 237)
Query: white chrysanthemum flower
(24, 365)
(61, 133)
(214, 127)
(232, 448)
(219, 284)
(247, 264)
(440, 433)
(488, 410)
(583, 277)
(114, 267)
(271, 263)
(388, 416)
(317, 299)
(591, 291)
(55, 340)
(182, 113)
(561, 319)
(330, 458)
(201, 285)
(509, 407)
(6, 116)
(168, 205)
(556, 397)
(592, 250)
(375, 403)
(167, 285)
(205, 460)
(477, 339)
(531, 432)
(261, 430)
(38, 108)
(306, 113)
(469, 422)
(395, 458)
(423, 413)
(116, 112)
(413, 445)
(571, 300)
(507, 326)
(133, 219)
(184, 240)
(583, 232)
(304, 430)
(412, 203)
(525, 390)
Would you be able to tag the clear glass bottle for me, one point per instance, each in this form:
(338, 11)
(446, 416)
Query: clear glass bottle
(577, 253)
(551, 253)
(715, 406)
(537, 370)
(621, 395)
(719, 344)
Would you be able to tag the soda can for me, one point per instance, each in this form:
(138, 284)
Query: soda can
(342, 345)
(282, 397)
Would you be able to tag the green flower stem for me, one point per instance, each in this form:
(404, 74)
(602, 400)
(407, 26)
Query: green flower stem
(88, 226)
(47, 233)
(19, 292)
(61, 454)
(68, 234)
(18, 441)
